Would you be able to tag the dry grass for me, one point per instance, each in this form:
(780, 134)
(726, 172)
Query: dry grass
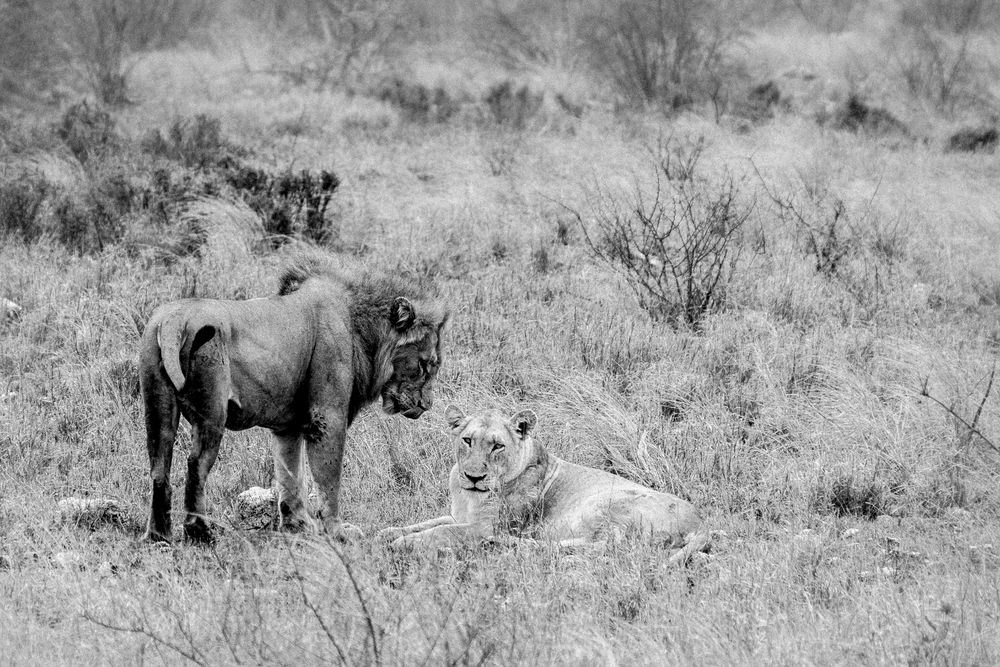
(855, 521)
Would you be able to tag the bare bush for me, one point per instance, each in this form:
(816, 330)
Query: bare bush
(522, 34)
(677, 157)
(827, 15)
(103, 36)
(668, 52)
(677, 249)
(955, 16)
(347, 40)
(942, 66)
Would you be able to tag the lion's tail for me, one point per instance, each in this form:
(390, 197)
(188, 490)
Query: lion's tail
(171, 336)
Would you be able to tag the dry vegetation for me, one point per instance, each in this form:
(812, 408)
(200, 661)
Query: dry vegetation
(805, 208)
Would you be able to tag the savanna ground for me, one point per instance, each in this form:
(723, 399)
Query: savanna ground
(846, 278)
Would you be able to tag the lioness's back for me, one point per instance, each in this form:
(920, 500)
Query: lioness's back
(586, 502)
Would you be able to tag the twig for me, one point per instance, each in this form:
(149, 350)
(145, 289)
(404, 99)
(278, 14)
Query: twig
(971, 428)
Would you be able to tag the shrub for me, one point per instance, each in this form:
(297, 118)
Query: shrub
(290, 204)
(416, 102)
(196, 142)
(88, 131)
(678, 250)
(974, 139)
(856, 116)
(844, 495)
(21, 202)
(512, 107)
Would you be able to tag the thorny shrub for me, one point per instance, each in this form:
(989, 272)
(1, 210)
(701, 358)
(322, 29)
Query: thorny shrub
(677, 248)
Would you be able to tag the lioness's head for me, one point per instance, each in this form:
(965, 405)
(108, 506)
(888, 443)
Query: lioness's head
(490, 449)
(415, 360)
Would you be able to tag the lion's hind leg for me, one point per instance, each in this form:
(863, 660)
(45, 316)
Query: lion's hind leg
(205, 403)
(162, 416)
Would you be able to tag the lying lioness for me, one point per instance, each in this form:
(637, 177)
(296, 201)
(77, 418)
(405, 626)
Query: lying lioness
(505, 483)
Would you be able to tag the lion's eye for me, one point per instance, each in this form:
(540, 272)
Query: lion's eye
(498, 446)
(467, 440)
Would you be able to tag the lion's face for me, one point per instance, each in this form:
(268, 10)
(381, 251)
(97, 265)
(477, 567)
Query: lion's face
(415, 362)
(489, 447)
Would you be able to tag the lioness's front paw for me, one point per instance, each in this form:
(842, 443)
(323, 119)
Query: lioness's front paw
(391, 534)
(342, 531)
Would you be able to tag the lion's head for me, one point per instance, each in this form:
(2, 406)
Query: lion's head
(490, 449)
(415, 360)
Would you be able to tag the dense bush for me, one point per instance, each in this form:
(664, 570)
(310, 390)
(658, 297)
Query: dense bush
(974, 139)
(21, 200)
(857, 116)
(290, 204)
(416, 102)
(88, 131)
(511, 106)
(195, 142)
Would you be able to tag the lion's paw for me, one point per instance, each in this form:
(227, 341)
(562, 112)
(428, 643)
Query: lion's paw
(343, 531)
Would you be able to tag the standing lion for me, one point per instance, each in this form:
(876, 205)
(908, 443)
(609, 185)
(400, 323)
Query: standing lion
(302, 364)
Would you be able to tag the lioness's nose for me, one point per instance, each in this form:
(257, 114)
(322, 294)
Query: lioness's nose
(475, 479)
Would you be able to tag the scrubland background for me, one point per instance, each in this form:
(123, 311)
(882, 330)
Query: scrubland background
(745, 252)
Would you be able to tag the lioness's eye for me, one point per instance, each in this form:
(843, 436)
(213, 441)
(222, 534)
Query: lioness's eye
(467, 440)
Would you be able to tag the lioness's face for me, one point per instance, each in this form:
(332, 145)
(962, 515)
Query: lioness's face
(488, 446)
(414, 366)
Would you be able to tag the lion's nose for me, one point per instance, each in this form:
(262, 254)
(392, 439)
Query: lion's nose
(475, 479)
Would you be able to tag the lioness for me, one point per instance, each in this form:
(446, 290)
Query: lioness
(504, 482)
(302, 363)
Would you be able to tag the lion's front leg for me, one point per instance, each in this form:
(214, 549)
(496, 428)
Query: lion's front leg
(395, 532)
(324, 436)
(444, 536)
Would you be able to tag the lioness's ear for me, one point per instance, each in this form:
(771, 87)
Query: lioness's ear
(454, 416)
(401, 313)
(523, 422)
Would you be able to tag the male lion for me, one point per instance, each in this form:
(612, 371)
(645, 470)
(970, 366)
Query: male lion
(302, 363)
(504, 482)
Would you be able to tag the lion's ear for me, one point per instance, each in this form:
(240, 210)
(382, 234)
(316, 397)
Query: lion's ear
(454, 415)
(401, 314)
(523, 422)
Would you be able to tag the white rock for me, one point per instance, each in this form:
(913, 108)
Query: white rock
(69, 560)
(9, 311)
(850, 533)
(255, 508)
